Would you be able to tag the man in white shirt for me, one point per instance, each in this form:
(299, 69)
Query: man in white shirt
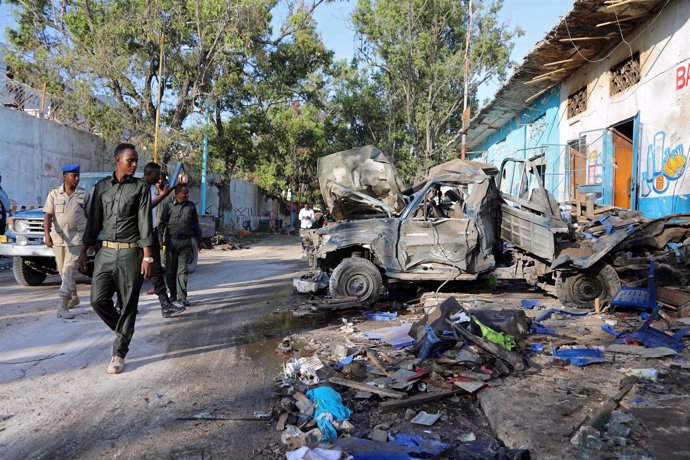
(306, 219)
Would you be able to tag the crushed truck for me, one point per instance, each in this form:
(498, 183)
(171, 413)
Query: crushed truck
(468, 221)
(33, 261)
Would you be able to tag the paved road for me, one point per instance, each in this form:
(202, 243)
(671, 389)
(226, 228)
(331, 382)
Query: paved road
(217, 358)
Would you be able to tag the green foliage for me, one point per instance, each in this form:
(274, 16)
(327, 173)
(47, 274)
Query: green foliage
(276, 101)
(417, 48)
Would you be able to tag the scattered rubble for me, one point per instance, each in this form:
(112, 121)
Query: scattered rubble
(479, 376)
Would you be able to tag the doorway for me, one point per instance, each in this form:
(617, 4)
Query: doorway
(622, 137)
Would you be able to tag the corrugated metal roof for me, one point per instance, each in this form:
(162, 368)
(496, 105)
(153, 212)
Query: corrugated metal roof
(560, 53)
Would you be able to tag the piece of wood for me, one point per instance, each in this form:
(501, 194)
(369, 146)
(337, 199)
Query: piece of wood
(597, 305)
(369, 388)
(584, 39)
(619, 20)
(614, 3)
(374, 360)
(603, 209)
(674, 297)
(589, 211)
(513, 359)
(549, 64)
(385, 357)
(602, 416)
(419, 399)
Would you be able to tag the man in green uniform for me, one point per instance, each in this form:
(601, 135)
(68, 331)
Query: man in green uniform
(178, 225)
(120, 215)
(64, 222)
(159, 191)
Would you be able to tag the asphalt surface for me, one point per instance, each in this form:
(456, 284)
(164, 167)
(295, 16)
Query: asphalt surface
(57, 401)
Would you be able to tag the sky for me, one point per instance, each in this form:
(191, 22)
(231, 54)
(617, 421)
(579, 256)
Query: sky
(535, 17)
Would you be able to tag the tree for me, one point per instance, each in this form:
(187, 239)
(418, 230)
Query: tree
(102, 57)
(418, 49)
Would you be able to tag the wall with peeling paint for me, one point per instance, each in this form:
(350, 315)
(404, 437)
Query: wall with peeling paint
(532, 132)
(33, 150)
(658, 107)
(662, 100)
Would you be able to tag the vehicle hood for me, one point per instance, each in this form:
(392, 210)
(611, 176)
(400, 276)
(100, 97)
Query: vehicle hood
(360, 183)
(36, 213)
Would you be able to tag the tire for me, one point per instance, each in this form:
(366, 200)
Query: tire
(580, 289)
(356, 277)
(25, 275)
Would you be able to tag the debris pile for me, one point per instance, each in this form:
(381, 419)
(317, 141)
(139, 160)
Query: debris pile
(482, 376)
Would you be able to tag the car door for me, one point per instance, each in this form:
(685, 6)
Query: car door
(437, 234)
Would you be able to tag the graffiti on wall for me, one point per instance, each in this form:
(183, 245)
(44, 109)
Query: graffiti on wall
(595, 168)
(662, 166)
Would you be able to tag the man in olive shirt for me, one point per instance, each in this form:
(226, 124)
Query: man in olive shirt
(120, 214)
(152, 177)
(178, 225)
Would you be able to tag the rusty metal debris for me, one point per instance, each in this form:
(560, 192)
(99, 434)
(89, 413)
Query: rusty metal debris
(468, 220)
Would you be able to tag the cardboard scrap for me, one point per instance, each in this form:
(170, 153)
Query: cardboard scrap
(426, 419)
(396, 336)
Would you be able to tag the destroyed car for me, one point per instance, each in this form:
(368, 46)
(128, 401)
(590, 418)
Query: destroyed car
(468, 220)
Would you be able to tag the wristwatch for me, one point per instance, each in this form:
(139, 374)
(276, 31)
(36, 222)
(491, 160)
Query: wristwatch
(148, 259)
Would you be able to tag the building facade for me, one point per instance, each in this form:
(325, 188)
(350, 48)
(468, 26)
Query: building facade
(605, 98)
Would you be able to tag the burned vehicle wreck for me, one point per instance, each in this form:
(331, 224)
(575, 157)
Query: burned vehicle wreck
(468, 220)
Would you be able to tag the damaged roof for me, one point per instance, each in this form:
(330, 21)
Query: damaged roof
(588, 31)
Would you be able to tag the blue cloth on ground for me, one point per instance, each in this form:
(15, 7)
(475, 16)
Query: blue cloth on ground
(329, 407)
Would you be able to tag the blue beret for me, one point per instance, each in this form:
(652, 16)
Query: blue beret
(70, 169)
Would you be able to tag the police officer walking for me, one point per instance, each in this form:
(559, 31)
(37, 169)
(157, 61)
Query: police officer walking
(120, 213)
(158, 193)
(178, 225)
(64, 222)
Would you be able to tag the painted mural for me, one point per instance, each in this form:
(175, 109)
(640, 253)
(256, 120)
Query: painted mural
(663, 168)
(595, 168)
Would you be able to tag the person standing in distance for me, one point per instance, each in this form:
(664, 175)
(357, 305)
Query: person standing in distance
(64, 222)
(306, 220)
(5, 209)
(120, 213)
(158, 192)
(179, 224)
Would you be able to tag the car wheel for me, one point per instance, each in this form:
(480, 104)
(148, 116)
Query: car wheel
(357, 277)
(581, 289)
(25, 275)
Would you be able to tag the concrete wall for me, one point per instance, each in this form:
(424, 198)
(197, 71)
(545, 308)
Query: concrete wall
(662, 100)
(33, 150)
(250, 204)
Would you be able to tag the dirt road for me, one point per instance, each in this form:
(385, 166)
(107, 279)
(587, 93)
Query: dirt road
(217, 358)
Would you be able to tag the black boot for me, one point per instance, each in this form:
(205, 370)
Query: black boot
(168, 308)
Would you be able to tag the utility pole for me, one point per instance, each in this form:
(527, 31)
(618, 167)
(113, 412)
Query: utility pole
(204, 162)
(465, 109)
(158, 107)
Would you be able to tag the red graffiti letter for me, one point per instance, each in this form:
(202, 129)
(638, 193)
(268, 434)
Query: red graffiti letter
(681, 79)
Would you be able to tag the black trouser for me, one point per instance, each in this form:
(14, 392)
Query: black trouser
(178, 254)
(117, 270)
(157, 276)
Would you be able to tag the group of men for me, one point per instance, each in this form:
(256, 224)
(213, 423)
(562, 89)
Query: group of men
(125, 221)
